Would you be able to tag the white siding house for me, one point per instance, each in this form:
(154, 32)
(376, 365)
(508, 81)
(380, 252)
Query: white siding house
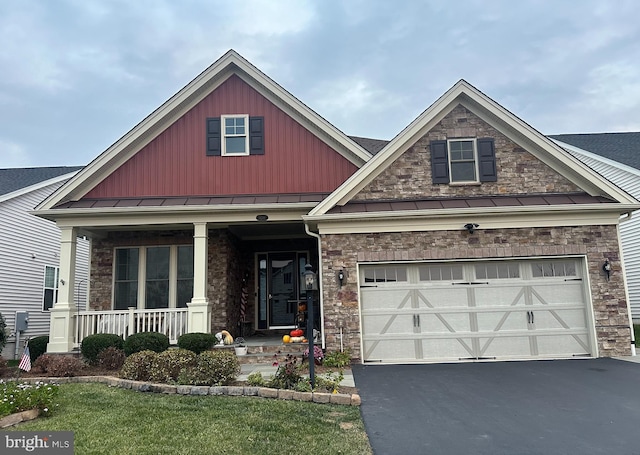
(29, 251)
(627, 178)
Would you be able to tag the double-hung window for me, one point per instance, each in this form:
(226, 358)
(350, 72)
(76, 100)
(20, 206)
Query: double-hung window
(235, 138)
(50, 292)
(153, 277)
(462, 160)
(465, 160)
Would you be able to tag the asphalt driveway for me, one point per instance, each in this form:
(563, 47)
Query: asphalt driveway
(537, 407)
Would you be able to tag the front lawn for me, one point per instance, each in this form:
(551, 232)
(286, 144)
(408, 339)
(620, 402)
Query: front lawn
(109, 420)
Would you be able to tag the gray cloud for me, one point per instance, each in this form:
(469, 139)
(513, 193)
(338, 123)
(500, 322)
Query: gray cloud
(77, 75)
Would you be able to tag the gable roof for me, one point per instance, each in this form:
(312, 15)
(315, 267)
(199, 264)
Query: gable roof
(15, 181)
(229, 64)
(500, 118)
(621, 147)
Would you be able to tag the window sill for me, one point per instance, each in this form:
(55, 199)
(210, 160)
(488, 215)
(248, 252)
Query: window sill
(465, 183)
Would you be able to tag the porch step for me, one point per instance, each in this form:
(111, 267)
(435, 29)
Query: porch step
(267, 354)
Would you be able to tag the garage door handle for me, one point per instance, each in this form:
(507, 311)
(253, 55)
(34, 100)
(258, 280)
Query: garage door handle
(414, 320)
(532, 320)
(528, 317)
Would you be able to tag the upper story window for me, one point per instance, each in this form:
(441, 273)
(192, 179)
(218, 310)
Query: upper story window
(463, 161)
(235, 135)
(236, 139)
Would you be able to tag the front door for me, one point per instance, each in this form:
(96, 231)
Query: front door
(278, 296)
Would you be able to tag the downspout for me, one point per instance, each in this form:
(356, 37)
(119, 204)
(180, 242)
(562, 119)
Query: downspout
(320, 294)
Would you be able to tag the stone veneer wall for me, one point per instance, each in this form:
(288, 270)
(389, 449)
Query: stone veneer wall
(341, 306)
(102, 259)
(519, 172)
(224, 278)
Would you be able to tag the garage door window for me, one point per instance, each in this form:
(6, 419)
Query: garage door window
(440, 273)
(497, 271)
(385, 275)
(542, 269)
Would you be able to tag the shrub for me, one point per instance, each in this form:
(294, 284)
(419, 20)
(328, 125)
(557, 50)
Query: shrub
(197, 342)
(93, 345)
(329, 382)
(287, 376)
(3, 332)
(58, 365)
(111, 358)
(138, 365)
(146, 341)
(337, 359)
(38, 346)
(318, 355)
(255, 379)
(166, 366)
(216, 367)
(17, 397)
(3, 365)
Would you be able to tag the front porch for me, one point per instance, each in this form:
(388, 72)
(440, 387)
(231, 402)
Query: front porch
(241, 279)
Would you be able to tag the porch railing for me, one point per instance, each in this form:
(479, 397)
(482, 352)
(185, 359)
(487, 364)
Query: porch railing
(170, 321)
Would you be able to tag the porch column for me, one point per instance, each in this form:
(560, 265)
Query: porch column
(199, 307)
(61, 325)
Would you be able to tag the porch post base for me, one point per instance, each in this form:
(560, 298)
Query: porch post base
(199, 311)
(61, 333)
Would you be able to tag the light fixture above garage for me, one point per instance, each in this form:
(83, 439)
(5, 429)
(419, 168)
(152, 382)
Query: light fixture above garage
(262, 217)
(470, 227)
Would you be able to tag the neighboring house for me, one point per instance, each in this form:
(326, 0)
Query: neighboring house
(29, 250)
(470, 235)
(616, 156)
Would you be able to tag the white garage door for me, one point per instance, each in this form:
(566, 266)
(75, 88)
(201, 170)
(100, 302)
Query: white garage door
(526, 309)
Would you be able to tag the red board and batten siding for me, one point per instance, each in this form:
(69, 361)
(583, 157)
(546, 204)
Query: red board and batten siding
(175, 163)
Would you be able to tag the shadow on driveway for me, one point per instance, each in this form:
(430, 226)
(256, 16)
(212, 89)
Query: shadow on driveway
(535, 407)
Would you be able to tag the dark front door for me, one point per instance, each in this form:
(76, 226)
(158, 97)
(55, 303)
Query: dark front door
(279, 281)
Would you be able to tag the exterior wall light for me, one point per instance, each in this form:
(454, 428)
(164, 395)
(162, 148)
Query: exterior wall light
(606, 268)
(471, 227)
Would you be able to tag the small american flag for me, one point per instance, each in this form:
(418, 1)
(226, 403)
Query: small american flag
(25, 361)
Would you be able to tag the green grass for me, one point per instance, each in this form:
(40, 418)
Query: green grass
(109, 420)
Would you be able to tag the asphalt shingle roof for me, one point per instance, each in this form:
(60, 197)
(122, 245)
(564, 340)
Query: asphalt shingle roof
(372, 146)
(14, 179)
(621, 147)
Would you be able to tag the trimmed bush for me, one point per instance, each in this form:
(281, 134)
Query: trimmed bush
(111, 358)
(3, 332)
(58, 365)
(337, 359)
(3, 365)
(197, 342)
(138, 365)
(218, 367)
(93, 345)
(166, 366)
(38, 346)
(146, 341)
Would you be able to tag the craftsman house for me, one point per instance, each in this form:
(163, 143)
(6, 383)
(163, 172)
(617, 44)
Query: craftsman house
(468, 236)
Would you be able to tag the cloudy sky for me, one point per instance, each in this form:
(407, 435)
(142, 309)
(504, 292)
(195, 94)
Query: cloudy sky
(75, 75)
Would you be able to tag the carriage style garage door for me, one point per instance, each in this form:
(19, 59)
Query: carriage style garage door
(527, 309)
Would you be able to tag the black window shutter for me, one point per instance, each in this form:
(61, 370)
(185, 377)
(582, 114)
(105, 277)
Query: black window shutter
(256, 135)
(214, 141)
(439, 162)
(487, 160)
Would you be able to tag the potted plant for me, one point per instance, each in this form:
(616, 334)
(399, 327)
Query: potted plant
(240, 347)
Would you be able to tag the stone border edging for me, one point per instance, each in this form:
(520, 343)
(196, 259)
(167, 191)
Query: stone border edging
(19, 417)
(263, 392)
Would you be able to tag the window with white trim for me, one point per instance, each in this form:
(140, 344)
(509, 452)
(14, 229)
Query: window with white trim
(50, 288)
(235, 137)
(153, 277)
(462, 160)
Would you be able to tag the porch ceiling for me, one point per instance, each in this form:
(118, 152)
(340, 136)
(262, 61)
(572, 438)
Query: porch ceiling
(268, 230)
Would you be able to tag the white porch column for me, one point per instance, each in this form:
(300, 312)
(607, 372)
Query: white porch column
(61, 326)
(199, 307)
